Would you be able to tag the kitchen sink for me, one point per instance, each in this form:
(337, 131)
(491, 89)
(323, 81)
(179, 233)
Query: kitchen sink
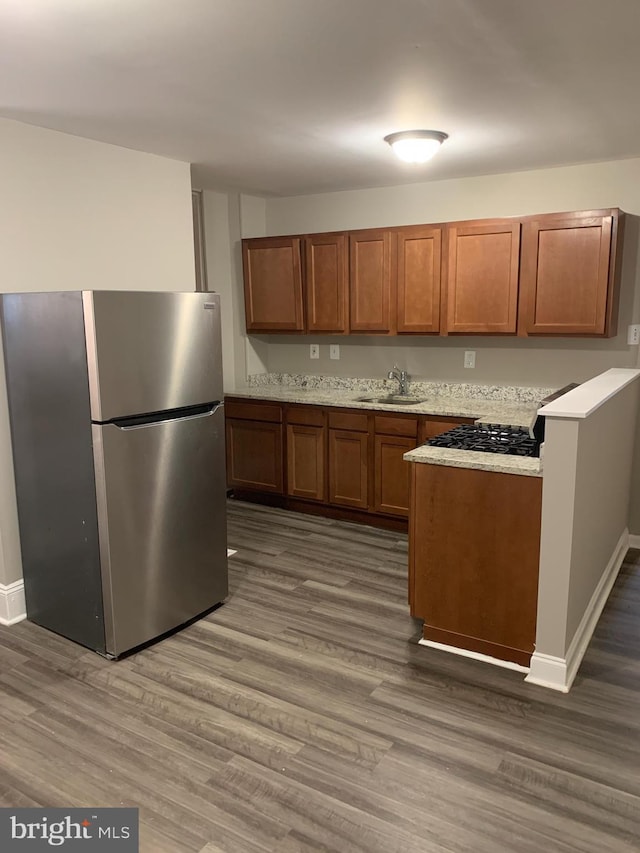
(392, 400)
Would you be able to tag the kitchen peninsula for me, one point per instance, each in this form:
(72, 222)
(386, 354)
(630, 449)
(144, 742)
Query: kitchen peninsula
(514, 562)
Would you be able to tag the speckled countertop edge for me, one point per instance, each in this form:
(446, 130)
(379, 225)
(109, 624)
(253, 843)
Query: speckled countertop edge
(505, 413)
(417, 387)
(499, 463)
(485, 409)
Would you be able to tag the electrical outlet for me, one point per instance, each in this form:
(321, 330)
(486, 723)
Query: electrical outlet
(314, 351)
(470, 358)
(633, 335)
(334, 351)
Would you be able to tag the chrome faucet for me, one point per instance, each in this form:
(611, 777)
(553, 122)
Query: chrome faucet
(403, 379)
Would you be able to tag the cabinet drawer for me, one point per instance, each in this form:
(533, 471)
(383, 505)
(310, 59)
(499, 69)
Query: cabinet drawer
(304, 415)
(396, 426)
(253, 411)
(349, 420)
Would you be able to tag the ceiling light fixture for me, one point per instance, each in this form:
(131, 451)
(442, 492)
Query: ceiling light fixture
(416, 146)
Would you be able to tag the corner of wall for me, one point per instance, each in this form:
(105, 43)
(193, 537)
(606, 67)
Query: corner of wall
(253, 216)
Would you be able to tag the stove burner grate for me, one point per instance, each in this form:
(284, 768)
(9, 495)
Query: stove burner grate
(488, 438)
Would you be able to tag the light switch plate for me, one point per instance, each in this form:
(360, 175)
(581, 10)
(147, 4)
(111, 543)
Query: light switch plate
(633, 335)
(334, 351)
(314, 350)
(470, 358)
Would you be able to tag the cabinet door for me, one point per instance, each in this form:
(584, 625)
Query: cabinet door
(482, 278)
(327, 282)
(306, 462)
(419, 262)
(392, 474)
(254, 455)
(370, 281)
(348, 464)
(474, 546)
(273, 284)
(565, 275)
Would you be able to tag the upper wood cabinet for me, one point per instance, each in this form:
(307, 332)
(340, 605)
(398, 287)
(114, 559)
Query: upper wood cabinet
(482, 277)
(370, 281)
(273, 284)
(568, 277)
(327, 282)
(554, 274)
(419, 253)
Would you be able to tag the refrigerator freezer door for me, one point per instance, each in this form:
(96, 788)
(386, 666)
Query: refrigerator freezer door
(148, 352)
(161, 496)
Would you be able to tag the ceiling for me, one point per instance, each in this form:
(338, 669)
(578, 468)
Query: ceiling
(283, 97)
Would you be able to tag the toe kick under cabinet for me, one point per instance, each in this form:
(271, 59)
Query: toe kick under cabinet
(334, 461)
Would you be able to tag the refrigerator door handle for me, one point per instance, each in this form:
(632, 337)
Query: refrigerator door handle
(215, 407)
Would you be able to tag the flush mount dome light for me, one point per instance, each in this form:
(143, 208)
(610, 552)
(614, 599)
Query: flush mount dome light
(416, 146)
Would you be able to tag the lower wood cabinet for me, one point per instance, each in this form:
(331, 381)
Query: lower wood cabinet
(306, 452)
(254, 455)
(394, 435)
(341, 462)
(349, 468)
(391, 493)
(474, 546)
(254, 446)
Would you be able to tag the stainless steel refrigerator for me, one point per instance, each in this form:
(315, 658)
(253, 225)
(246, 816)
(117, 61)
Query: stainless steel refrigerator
(117, 425)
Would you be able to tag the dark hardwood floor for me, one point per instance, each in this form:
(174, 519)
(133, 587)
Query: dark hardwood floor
(303, 716)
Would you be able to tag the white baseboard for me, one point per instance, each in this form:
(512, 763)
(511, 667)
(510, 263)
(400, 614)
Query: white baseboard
(634, 540)
(559, 673)
(465, 653)
(12, 605)
(548, 671)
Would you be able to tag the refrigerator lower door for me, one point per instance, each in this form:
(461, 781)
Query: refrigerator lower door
(161, 496)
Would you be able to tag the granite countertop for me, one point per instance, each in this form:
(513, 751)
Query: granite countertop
(506, 406)
(498, 462)
(505, 413)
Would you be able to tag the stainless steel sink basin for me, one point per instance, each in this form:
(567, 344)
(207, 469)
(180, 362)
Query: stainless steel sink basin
(391, 400)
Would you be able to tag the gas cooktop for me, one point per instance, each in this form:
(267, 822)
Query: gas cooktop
(488, 438)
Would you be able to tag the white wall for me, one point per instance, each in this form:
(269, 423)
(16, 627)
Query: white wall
(221, 276)
(585, 515)
(229, 216)
(611, 184)
(78, 214)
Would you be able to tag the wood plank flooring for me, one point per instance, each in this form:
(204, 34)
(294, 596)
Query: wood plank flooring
(303, 716)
